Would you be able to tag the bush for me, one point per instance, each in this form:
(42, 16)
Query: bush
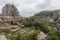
(14, 22)
(31, 36)
(54, 35)
(28, 36)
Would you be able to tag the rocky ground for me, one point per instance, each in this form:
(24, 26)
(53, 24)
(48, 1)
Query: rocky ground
(3, 37)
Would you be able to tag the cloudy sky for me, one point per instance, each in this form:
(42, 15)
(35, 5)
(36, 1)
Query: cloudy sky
(30, 7)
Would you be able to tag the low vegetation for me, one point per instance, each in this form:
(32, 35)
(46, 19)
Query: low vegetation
(31, 29)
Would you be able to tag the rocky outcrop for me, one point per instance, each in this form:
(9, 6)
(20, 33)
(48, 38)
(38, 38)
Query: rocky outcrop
(41, 36)
(51, 14)
(3, 37)
(9, 28)
(7, 19)
(9, 13)
(10, 10)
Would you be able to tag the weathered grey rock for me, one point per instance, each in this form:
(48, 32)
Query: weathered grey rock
(58, 26)
(10, 10)
(3, 37)
(41, 36)
(52, 14)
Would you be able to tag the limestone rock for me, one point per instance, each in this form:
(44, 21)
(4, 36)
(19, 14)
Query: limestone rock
(41, 36)
(9, 14)
(3, 37)
(55, 14)
(11, 10)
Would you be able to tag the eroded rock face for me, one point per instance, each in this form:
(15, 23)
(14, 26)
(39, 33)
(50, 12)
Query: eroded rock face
(55, 14)
(10, 10)
(9, 14)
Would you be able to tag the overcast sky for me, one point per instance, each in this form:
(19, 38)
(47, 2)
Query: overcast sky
(29, 7)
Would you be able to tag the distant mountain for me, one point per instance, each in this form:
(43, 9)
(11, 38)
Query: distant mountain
(51, 14)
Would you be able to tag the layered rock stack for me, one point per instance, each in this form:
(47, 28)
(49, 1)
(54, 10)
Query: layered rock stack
(9, 18)
(9, 13)
(10, 10)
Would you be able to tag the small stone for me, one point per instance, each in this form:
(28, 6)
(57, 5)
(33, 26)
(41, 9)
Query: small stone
(3, 37)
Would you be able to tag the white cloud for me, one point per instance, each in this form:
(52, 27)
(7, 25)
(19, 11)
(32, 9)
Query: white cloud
(29, 7)
(55, 4)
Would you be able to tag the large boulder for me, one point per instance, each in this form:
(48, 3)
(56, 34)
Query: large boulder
(3, 37)
(10, 10)
(9, 14)
(41, 36)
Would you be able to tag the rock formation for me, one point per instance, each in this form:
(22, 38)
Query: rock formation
(50, 16)
(10, 10)
(41, 36)
(9, 15)
(3, 37)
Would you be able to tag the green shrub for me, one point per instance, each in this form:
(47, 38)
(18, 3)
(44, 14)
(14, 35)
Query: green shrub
(14, 22)
(54, 35)
(31, 36)
(28, 36)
